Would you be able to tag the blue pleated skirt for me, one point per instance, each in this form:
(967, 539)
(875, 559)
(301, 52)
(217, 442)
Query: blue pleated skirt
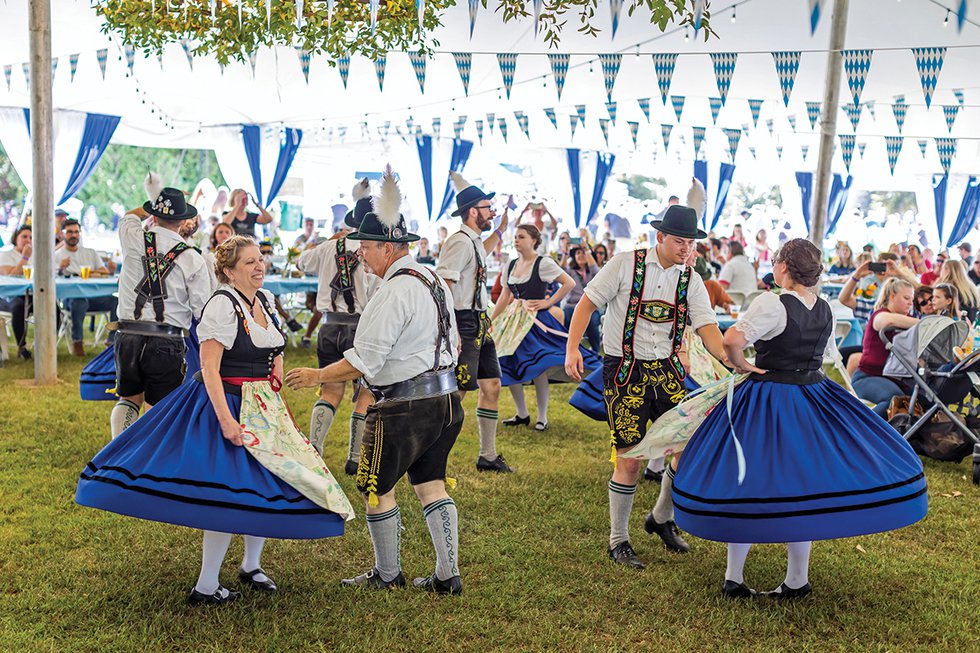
(819, 465)
(173, 465)
(541, 352)
(588, 395)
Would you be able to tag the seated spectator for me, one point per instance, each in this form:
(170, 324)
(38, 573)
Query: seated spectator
(425, 256)
(946, 301)
(716, 292)
(891, 312)
(930, 277)
(915, 261)
(843, 264)
(718, 255)
(600, 254)
(71, 257)
(923, 301)
(582, 267)
(738, 274)
(954, 274)
(266, 250)
(966, 253)
(12, 263)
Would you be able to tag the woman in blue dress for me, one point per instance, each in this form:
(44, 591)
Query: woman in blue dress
(183, 462)
(797, 458)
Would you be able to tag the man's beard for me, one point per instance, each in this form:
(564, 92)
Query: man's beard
(484, 224)
(72, 242)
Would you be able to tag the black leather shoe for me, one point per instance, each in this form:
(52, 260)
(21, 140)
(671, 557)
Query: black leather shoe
(784, 591)
(517, 421)
(734, 590)
(541, 426)
(248, 578)
(196, 598)
(668, 533)
(350, 468)
(498, 464)
(657, 477)
(294, 326)
(452, 586)
(372, 580)
(24, 353)
(624, 554)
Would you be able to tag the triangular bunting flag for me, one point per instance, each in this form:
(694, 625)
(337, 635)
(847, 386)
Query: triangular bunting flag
(304, 62)
(491, 121)
(522, 122)
(804, 150)
(508, 65)
(856, 66)
(418, 65)
(644, 103)
(604, 128)
(479, 130)
(899, 108)
(611, 110)
(436, 127)
(871, 109)
(815, 10)
(474, 6)
(615, 6)
(847, 149)
(379, 69)
(464, 64)
(537, 14)
(7, 73)
(929, 62)
(787, 65)
(950, 111)
(755, 106)
(861, 147)
(893, 147)
(664, 64)
(715, 104)
(420, 9)
(253, 58)
(552, 117)
(610, 69)
(502, 127)
(678, 102)
(373, 11)
(580, 110)
(634, 131)
(54, 67)
(186, 45)
(559, 69)
(73, 65)
(946, 147)
(791, 119)
(343, 65)
(699, 6)
(853, 112)
(960, 15)
(724, 65)
(26, 67)
(960, 97)
(698, 133)
(130, 52)
(573, 123)
(734, 135)
(101, 56)
(779, 152)
(665, 133)
(813, 113)
(923, 143)
(752, 152)
(769, 125)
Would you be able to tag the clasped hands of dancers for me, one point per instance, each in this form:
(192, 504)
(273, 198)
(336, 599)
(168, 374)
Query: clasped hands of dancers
(768, 470)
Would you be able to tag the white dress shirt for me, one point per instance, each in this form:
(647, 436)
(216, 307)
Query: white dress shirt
(188, 284)
(457, 263)
(611, 288)
(81, 256)
(220, 321)
(740, 275)
(396, 338)
(765, 318)
(322, 262)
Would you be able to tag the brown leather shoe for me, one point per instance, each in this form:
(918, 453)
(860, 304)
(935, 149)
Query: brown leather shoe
(78, 348)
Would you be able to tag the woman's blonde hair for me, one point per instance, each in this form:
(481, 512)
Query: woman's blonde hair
(889, 289)
(954, 273)
(226, 255)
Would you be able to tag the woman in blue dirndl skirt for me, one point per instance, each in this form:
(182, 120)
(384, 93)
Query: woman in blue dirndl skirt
(173, 465)
(798, 458)
(540, 356)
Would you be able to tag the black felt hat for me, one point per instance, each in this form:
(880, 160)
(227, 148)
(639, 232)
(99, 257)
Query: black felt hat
(385, 222)
(467, 195)
(680, 221)
(170, 205)
(361, 193)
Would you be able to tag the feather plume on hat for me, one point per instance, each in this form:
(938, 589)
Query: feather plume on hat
(361, 189)
(697, 198)
(387, 203)
(458, 182)
(153, 185)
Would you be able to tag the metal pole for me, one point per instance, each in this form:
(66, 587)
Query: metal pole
(828, 122)
(45, 324)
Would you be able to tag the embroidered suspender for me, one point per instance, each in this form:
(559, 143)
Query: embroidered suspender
(481, 278)
(156, 269)
(343, 281)
(680, 321)
(241, 312)
(439, 297)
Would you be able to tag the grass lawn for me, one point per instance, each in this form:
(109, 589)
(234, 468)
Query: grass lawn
(533, 560)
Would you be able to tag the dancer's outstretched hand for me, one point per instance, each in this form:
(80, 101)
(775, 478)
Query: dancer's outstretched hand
(232, 431)
(302, 377)
(574, 365)
(747, 368)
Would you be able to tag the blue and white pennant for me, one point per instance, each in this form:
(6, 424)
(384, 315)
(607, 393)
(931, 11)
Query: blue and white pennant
(755, 107)
(508, 66)
(552, 117)
(946, 147)
(522, 122)
(604, 128)
(853, 112)
(857, 63)
(665, 134)
(610, 69)
(464, 64)
(734, 135)
(663, 65)
(611, 110)
(379, 70)
(559, 70)
(893, 147)
(724, 67)
(715, 105)
(949, 112)
(900, 109)
(847, 149)
(678, 103)
(787, 65)
(929, 63)
(698, 138)
(644, 104)
(634, 131)
(418, 65)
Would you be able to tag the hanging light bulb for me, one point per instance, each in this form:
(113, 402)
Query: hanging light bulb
(687, 35)
(733, 13)
(946, 20)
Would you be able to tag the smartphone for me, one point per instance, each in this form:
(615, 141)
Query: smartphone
(877, 268)
(576, 241)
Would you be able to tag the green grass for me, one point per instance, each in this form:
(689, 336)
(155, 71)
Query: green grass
(533, 560)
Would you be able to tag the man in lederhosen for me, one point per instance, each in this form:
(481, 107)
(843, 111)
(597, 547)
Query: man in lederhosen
(405, 348)
(463, 265)
(164, 284)
(650, 296)
(344, 288)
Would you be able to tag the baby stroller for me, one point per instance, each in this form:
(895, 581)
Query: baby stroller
(924, 357)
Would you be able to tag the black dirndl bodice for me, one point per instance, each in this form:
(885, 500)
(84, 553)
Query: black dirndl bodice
(796, 354)
(533, 288)
(244, 359)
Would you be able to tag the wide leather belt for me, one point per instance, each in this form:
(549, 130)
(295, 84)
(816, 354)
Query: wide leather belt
(435, 383)
(350, 319)
(151, 329)
(792, 377)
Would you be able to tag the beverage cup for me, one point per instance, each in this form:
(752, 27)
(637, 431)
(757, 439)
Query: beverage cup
(27, 271)
(85, 271)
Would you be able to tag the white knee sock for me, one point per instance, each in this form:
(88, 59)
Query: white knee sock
(798, 564)
(123, 414)
(736, 562)
(215, 547)
(320, 420)
(253, 556)
(357, 421)
(663, 510)
(486, 421)
(542, 390)
(620, 506)
(656, 465)
(517, 392)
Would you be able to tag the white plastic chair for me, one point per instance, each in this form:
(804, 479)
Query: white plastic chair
(841, 330)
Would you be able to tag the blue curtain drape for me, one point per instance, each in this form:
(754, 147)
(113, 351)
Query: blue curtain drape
(95, 138)
(424, 144)
(252, 139)
(939, 194)
(457, 161)
(575, 176)
(969, 211)
(287, 152)
(701, 174)
(725, 173)
(839, 191)
(603, 166)
(805, 181)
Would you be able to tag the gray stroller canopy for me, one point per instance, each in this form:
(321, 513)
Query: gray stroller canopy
(930, 342)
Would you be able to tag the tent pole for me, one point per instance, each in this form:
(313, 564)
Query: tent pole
(45, 324)
(828, 123)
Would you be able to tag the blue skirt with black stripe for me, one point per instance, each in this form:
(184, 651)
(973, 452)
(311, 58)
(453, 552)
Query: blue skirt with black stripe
(543, 353)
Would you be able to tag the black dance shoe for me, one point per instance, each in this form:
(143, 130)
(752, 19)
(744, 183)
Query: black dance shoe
(734, 590)
(784, 592)
(371, 579)
(668, 533)
(350, 468)
(541, 426)
(624, 554)
(24, 353)
(197, 598)
(294, 326)
(657, 477)
(452, 586)
(498, 464)
(517, 421)
(248, 578)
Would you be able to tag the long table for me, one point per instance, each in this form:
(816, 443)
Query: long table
(75, 287)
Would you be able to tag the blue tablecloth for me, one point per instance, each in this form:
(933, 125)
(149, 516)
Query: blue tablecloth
(852, 339)
(280, 286)
(831, 290)
(74, 287)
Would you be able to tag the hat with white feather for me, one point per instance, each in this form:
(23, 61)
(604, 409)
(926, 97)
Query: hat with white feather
(361, 194)
(467, 195)
(385, 222)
